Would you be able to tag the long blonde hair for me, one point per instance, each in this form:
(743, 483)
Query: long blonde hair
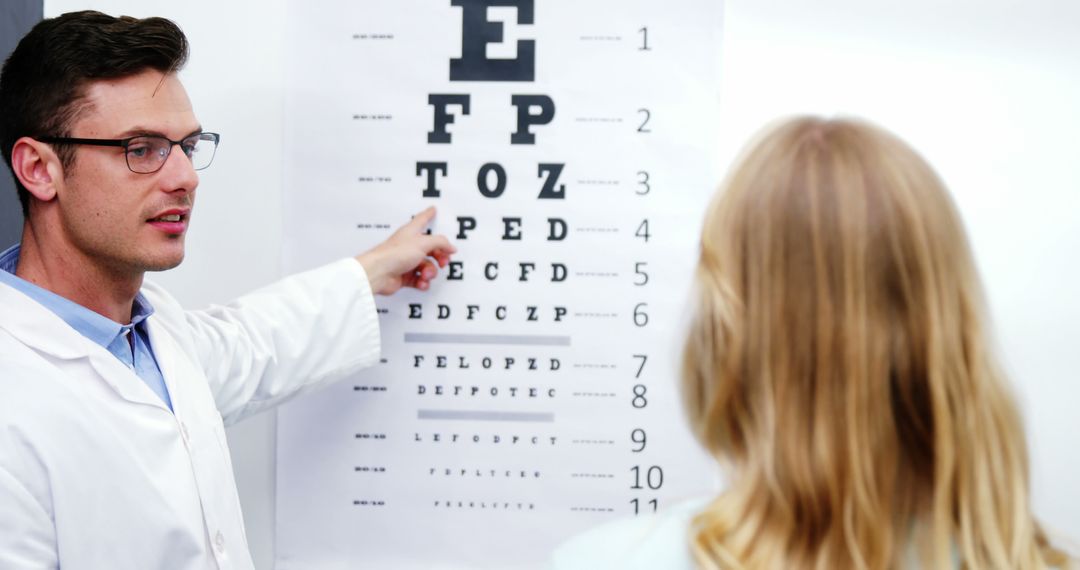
(839, 364)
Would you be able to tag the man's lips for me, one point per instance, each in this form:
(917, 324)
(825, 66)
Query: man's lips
(171, 221)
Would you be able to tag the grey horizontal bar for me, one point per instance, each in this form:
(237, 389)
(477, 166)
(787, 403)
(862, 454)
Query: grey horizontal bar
(547, 417)
(516, 339)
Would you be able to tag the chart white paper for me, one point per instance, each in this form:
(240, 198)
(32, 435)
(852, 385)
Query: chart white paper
(532, 393)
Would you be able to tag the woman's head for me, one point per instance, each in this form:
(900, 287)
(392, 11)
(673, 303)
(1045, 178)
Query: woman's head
(838, 362)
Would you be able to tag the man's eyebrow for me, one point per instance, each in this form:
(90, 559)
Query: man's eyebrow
(139, 131)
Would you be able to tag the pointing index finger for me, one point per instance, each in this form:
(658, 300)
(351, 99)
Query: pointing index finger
(422, 219)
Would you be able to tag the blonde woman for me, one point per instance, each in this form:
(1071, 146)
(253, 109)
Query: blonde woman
(840, 367)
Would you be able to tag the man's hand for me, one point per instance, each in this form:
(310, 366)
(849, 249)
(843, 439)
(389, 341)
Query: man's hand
(405, 258)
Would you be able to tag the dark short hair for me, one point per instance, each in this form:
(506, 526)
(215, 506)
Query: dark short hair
(43, 83)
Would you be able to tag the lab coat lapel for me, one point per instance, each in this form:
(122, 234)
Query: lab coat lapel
(42, 330)
(175, 368)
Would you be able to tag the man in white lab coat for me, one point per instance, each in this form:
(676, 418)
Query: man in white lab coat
(113, 399)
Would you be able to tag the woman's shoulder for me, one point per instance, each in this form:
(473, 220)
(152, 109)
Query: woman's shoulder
(659, 540)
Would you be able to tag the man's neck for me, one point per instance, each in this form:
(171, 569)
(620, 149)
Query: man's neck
(70, 273)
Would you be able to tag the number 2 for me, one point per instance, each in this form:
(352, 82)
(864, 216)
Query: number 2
(641, 128)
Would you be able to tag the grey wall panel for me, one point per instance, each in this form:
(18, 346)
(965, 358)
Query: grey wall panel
(16, 18)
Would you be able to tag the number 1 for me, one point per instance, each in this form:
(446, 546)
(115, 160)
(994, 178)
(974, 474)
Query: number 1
(644, 39)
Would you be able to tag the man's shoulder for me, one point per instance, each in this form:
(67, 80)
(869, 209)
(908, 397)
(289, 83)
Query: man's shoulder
(19, 362)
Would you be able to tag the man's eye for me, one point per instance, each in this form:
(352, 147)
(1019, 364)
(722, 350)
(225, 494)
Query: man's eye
(138, 151)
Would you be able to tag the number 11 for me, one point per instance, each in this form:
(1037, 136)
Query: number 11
(653, 502)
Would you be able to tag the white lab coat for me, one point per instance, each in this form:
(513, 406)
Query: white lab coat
(96, 473)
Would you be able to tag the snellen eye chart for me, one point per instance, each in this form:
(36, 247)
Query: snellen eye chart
(532, 393)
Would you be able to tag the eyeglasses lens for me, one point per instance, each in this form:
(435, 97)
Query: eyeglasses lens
(148, 154)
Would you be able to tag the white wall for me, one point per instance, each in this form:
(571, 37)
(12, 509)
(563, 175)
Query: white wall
(988, 90)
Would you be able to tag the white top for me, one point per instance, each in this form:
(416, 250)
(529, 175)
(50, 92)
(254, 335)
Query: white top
(653, 542)
(96, 472)
(649, 542)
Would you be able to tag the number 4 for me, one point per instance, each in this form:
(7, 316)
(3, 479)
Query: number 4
(643, 231)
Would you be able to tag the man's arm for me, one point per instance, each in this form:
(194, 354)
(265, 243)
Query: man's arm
(308, 329)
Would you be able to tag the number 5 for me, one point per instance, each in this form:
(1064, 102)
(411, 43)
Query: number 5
(639, 271)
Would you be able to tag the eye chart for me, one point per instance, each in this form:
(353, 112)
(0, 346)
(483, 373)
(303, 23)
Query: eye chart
(532, 393)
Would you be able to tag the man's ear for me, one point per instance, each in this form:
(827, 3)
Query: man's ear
(37, 167)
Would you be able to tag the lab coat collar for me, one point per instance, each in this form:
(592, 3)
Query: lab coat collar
(97, 328)
(43, 331)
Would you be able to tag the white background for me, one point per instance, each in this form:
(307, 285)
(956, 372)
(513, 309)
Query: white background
(987, 90)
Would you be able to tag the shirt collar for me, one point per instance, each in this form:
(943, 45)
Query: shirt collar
(97, 328)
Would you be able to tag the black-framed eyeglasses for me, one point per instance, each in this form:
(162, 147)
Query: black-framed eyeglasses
(146, 154)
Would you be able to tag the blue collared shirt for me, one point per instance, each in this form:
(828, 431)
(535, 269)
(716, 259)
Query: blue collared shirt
(129, 343)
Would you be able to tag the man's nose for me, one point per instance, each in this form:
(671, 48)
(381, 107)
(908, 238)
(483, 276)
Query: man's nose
(178, 171)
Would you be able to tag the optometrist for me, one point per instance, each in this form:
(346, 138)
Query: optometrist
(113, 399)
